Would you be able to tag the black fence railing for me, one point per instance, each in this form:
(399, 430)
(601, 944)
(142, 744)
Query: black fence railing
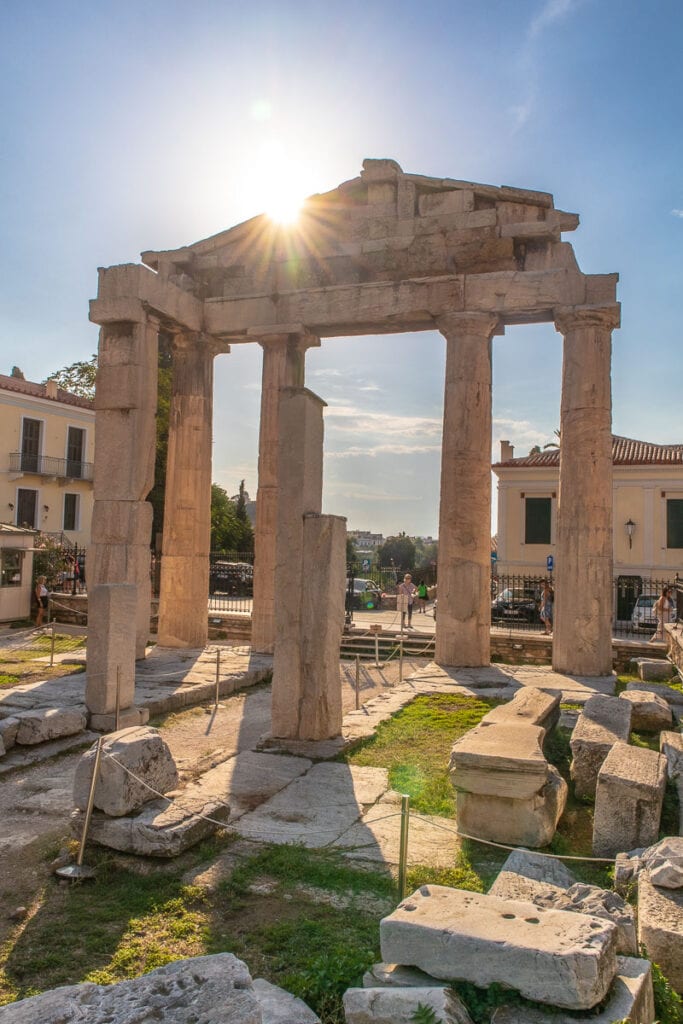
(46, 465)
(516, 603)
(63, 566)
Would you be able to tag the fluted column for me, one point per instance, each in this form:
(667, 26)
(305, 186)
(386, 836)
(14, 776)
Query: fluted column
(582, 642)
(283, 366)
(464, 581)
(184, 593)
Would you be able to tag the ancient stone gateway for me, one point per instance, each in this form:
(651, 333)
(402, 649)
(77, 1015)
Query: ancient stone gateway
(384, 252)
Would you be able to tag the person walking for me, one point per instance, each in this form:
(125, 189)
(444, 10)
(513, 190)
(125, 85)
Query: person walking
(422, 595)
(405, 595)
(41, 593)
(663, 609)
(546, 609)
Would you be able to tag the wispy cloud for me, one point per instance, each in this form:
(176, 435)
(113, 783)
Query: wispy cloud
(547, 17)
(521, 433)
(677, 213)
(349, 419)
(371, 451)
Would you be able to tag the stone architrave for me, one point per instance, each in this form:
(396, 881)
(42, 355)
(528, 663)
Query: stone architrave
(530, 706)
(582, 641)
(565, 960)
(502, 760)
(603, 722)
(183, 598)
(310, 575)
(283, 366)
(110, 672)
(628, 800)
(463, 626)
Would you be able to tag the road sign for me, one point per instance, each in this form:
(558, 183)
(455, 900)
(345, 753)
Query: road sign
(549, 563)
(494, 556)
(366, 564)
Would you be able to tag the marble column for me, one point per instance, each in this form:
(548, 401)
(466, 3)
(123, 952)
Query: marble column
(582, 641)
(283, 366)
(119, 554)
(184, 591)
(464, 566)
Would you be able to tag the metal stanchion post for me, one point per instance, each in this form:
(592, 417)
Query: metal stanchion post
(403, 846)
(52, 647)
(377, 650)
(117, 716)
(357, 681)
(400, 660)
(78, 870)
(218, 675)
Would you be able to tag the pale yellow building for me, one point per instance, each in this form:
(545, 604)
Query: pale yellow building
(647, 503)
(46, 461)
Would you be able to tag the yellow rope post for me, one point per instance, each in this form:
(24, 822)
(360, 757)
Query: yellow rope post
(403, 846)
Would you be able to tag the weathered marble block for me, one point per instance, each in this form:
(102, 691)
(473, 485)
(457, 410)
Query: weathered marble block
(136, 764)
(649, 713)
(502, 759)
(603, 722)
(398, 1005)
(529, 822)
(660, 928)
(561, 959)
(529, 706)
(628, 800)
(39, 726)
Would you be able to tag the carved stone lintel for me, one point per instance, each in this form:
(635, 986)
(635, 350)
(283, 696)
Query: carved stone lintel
(483, 324)
(571, 318)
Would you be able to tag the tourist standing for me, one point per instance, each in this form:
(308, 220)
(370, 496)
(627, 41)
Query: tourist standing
(422, 595)
(405, 595)
(546, 609)
(41, 593)
(663, 609)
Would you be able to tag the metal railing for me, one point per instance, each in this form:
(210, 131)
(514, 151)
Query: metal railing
(46, 465)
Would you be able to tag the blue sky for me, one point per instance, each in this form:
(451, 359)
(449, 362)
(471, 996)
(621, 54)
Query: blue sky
(129, 126)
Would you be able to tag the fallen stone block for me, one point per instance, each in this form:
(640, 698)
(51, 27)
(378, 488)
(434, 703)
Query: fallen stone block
(664, 863)
(161, 829)
(398, 1005)
(41, 726)
(660, 928)
(630, 998)
(649, 713)
(628, 801)
(603, 722)
(211, 988)
(661, 689)
(529, 706)
(8, 731)
(281, 1007)
(500, 819)
(578, 899)
(671, 745)
(539, 867)
(500, 759)
(136, 765)
(549, 956)
(2, 748)
(651, 669)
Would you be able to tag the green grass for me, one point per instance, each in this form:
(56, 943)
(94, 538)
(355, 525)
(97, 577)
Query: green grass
(6, 679)
(415, 746)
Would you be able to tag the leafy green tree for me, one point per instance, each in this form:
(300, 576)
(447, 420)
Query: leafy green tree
(228, 531)
(397, 551)
(351, 551)
(78, 378)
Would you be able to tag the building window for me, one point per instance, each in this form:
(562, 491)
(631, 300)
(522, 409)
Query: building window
(27, 506)
(537, 521)
(70, 521)
(10, 567)
(674, 522)
(75, 451)
(30, 445)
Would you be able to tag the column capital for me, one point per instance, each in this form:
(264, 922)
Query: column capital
(483, 324)
(569, 318)
(281, 334)
(184, 340)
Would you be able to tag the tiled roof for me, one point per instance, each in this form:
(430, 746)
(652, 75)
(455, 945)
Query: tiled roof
(27, 387)
(625, 452)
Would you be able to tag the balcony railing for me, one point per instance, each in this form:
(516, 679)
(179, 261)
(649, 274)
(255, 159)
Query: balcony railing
(45, 465)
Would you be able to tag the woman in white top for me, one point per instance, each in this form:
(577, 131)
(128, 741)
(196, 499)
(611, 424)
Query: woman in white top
(663, 609)
(41, 593)
(405, 595)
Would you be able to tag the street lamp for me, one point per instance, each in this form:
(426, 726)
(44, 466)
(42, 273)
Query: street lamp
(630, 527)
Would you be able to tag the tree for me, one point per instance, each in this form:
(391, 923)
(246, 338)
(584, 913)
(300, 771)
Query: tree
(78, 378)
(351, 551)
(241, 504)
(397, 551)
(228, 531)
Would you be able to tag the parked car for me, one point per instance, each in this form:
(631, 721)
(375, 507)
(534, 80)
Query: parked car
(366, 594)
(644, 617)
(236, 578)
(516, 603)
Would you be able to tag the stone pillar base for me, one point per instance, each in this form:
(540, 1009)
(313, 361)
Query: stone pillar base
(127, 718)
(501, 819)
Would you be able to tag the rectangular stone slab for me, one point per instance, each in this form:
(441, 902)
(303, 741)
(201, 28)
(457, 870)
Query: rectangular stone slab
(628, 800)
(501, 759)
(552, 957)
(529, 706)
(603, 722)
